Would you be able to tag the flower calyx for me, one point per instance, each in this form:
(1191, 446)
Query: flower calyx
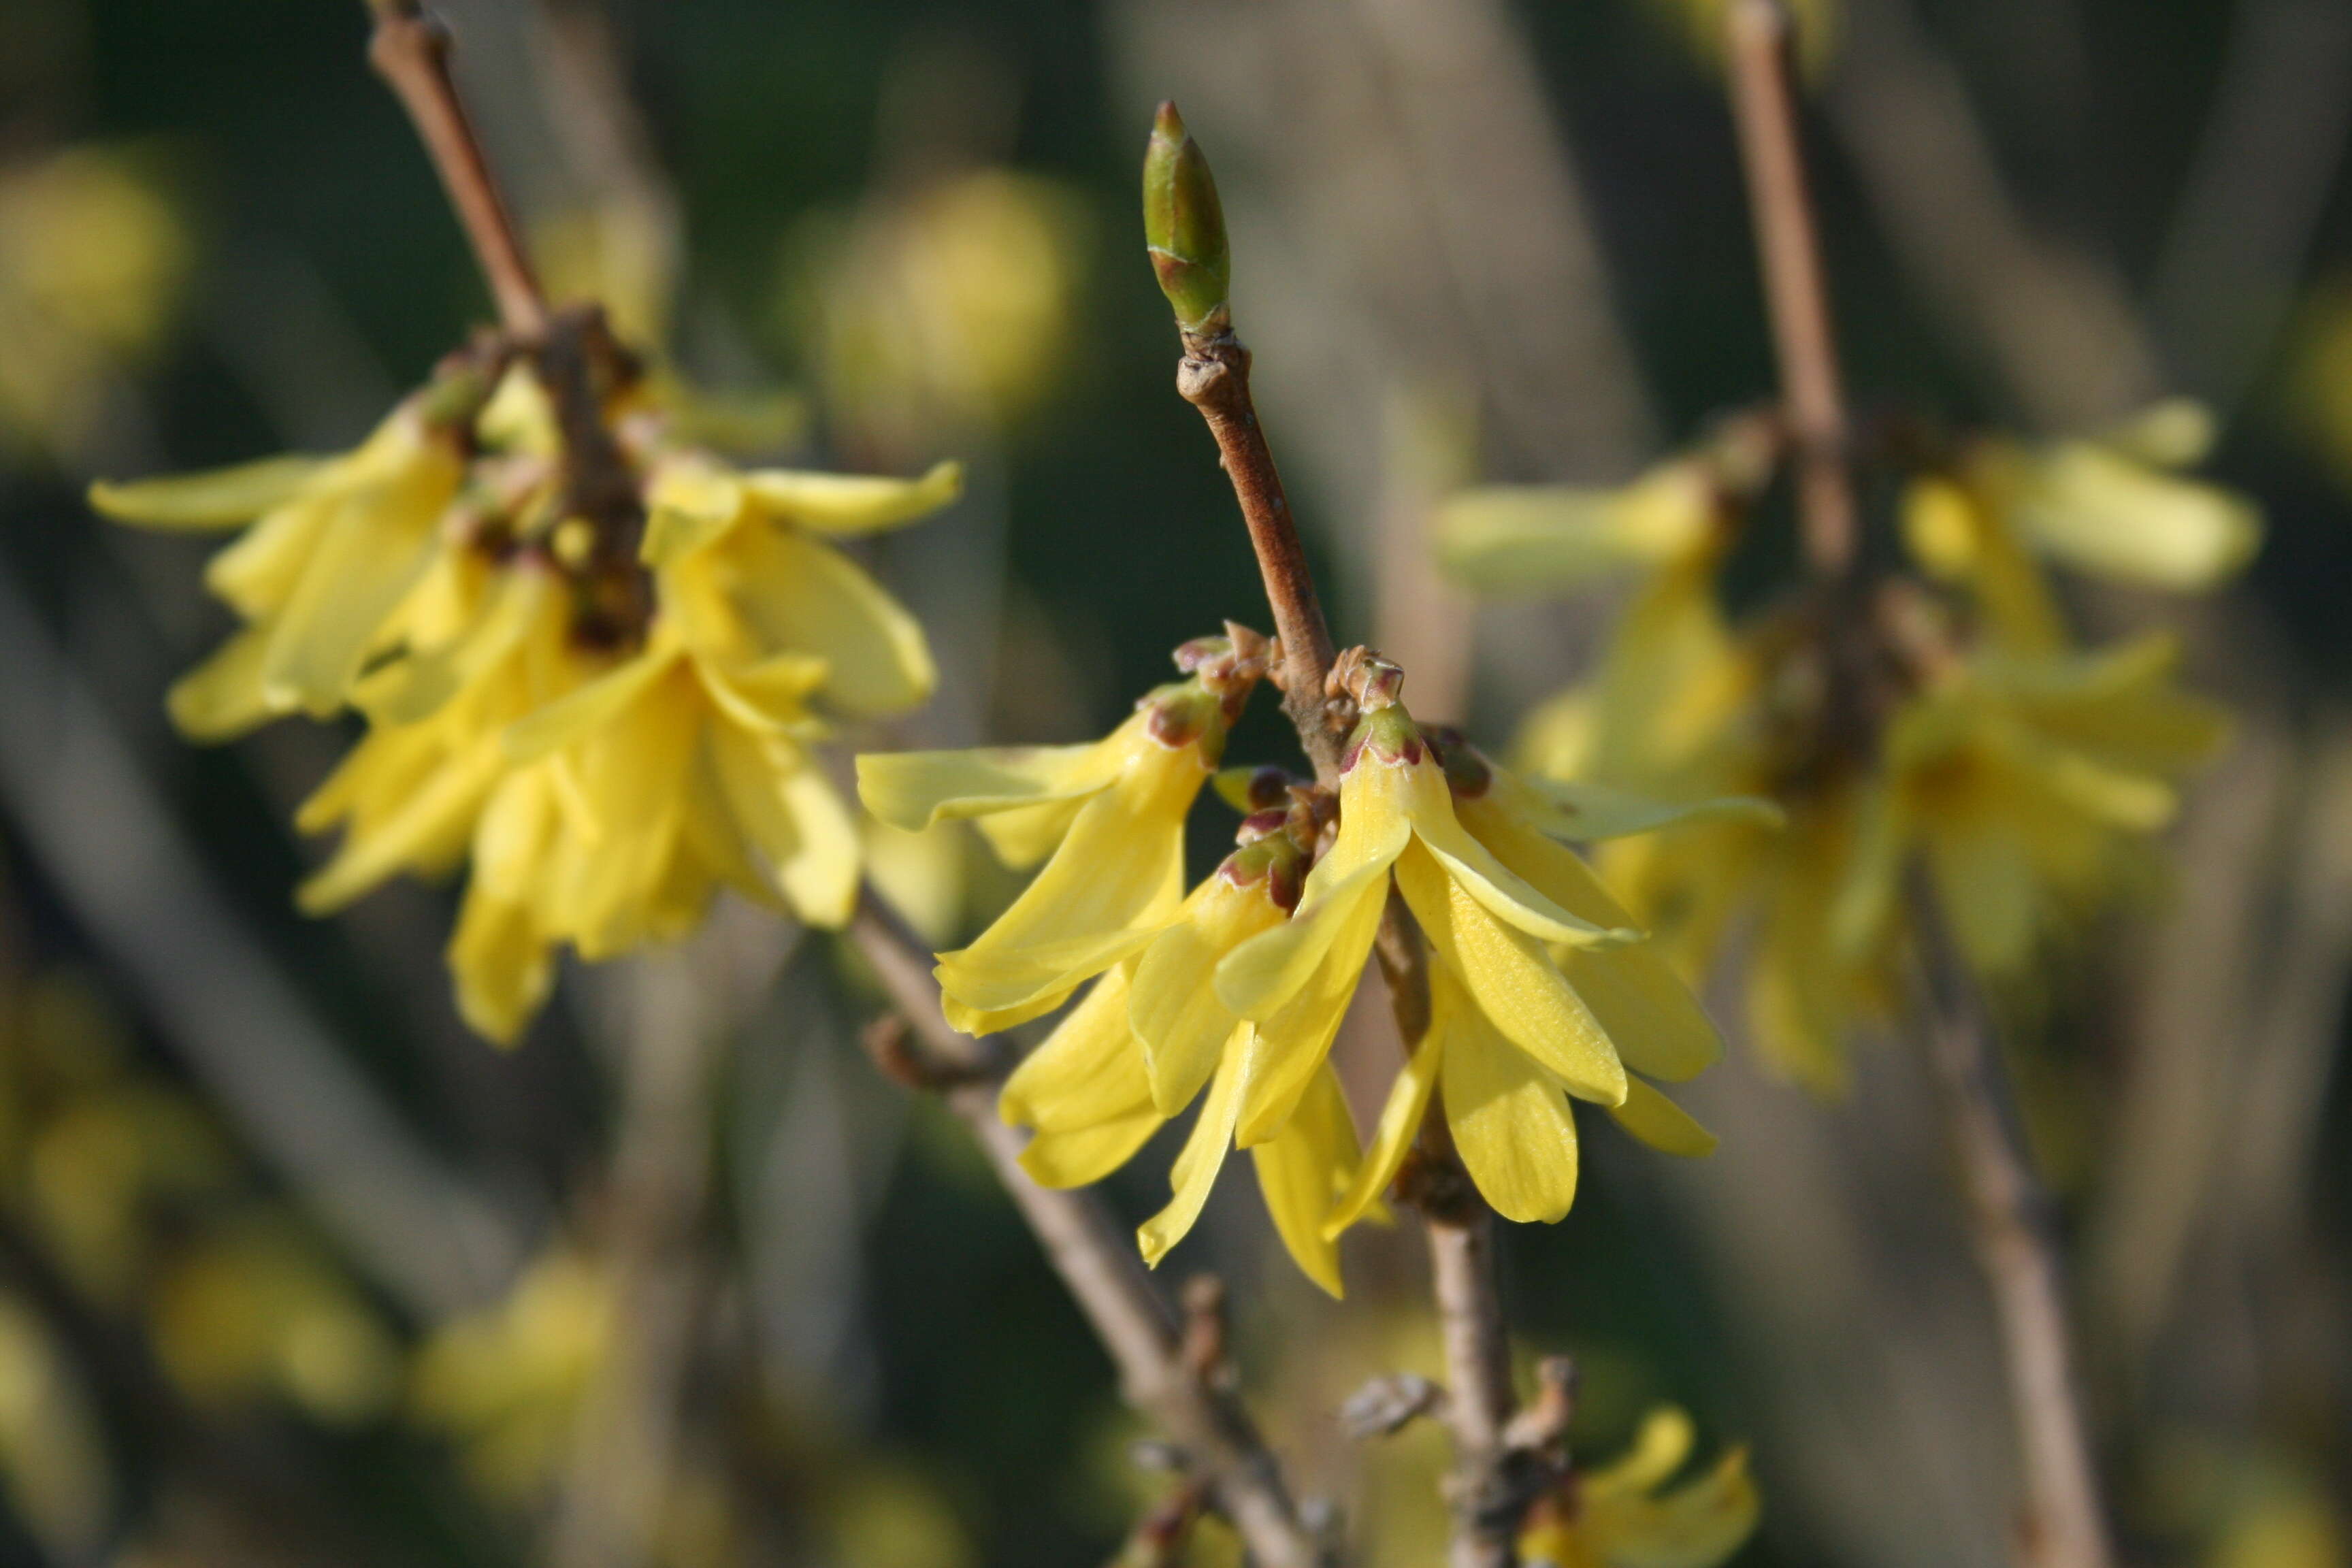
(1230, 666)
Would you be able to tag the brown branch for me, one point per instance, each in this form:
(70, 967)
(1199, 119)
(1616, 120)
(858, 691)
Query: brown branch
(1214, 377)
(411, 51)
(1788, 244)
(1097, 1262)
(2061, 1523)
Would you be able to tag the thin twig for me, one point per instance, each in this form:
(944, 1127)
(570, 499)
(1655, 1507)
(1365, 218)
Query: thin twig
(411, 51)
(1214, 377)
(1763, 96)
(2061, 1523)
(1091, 1251)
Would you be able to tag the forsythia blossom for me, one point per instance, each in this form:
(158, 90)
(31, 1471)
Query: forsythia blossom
(594, 662)
(1616, 1516)
(1539, 988)
(1943, 716)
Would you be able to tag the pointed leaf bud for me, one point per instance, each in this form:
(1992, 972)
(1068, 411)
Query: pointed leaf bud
(1184, 224)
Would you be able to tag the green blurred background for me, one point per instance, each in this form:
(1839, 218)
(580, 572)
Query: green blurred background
(293, 1269)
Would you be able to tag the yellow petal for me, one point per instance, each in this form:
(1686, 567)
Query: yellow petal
(502, 967)
(1510, 1122)
(1081, 1155)
(821, 878)
(1178, 1018)
(1473, 867)
(851, 503)
(1984, 880)
(690, 504)
(221, 699)
(586, 710)
(1532, 539)
(413, 687)
(1302, 1169)
(977, 1021)
(1513, 980)
(1588, 812)
(217, 498)
(1650, 1015)
(799, 596)
(1088, 1071)
(513, 835)
(1197, 1164)
(1660, 1123)
(1660, 1448)
(257, 573)
(1025, 835)
(1115, 881)
(428, 833)
(1400, 1116)
(914, 790)
(769, 697)
(1291, 1042)
(1696, 1526)
(2098, 510)
(378, 542)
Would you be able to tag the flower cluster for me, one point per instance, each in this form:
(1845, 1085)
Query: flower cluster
(592, 660)
(1940, 716)
(1616, 1516)
(1541, 989)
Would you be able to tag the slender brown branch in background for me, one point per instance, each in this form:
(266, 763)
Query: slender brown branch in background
(1788, 244)
(1098, 1262)
(2061, 1522)
(411, 52)
(1214, 377)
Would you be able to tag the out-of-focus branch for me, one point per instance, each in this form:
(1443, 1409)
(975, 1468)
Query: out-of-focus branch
(1090, 1250)
(2061, 1523)
(2057, 326)
(1796, 293)
(411, 52)
(98, 829)
(2255, 194)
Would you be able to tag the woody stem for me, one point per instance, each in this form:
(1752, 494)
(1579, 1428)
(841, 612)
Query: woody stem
(411, 51)
(1214, 377)
(1090, 1250)
(1796, 293)
(2061, 1523)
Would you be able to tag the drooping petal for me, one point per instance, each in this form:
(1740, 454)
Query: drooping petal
(1588, 812)
(221, 699)
(1078, 1156)
(798, 595)
(217, 498)
(1115, 881)
(1651, 1016)
(427, 832)
(1203, 1156)
(1660, 1123)
(769, 698)
(1513, 982)
(1699, 1525)
(1511, 1123)
(1300, 1171)
(502, 966)
(1088, 1071)
(1400, 1116)
(819, 879)
(1178, 1017)
(1025, 834)
(851, 503)
(415, 686)
(1473, 867)
(1291, 1042)
(1660, 1447)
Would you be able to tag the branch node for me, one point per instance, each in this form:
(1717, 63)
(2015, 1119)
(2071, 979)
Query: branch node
(1389, 1403)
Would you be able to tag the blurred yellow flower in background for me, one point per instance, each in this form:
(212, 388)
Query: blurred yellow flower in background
(1618, 1516)
(505, 1383)
(93, 262)
(1947, 717)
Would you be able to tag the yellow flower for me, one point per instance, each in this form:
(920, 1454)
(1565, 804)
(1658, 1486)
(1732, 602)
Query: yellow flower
(1616, 1516)
(335, 545)
(1110, 814)
(506, 1382)
(2112, 506)
(613, 718)
(92, 260)
(1147, 1038)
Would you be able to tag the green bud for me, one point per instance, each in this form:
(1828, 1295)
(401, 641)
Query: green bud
(1184, 224)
